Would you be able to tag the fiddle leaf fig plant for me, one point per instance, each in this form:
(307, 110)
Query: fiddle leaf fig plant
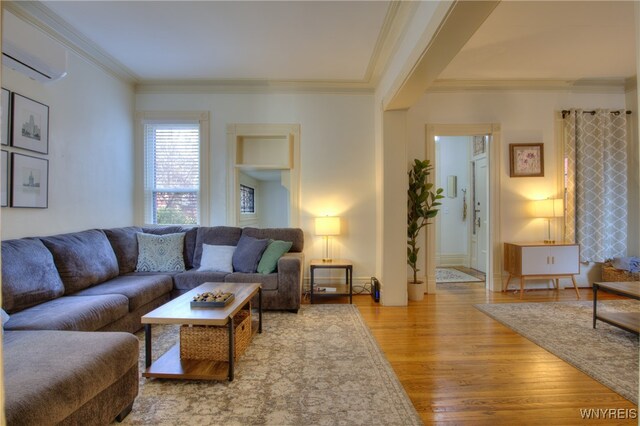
(421, 206)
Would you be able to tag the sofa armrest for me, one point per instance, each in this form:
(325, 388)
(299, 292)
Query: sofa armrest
(290, 279)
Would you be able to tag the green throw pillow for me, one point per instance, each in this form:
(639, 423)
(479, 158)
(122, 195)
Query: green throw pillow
(272, 254)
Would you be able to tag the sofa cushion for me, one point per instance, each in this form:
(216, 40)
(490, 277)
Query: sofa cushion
(82, 258)
(269, 260)
(193, 278)
(217, 258)
(190, 234)
(269, 282)
(29, 274)
(295, 235)
(139, 289)
(48, 375)
(81, 313)
(216, 236)
(125, 246)
(248, 253)
(160, 253)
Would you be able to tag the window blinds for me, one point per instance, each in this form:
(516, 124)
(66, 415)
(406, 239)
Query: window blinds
(172, 172)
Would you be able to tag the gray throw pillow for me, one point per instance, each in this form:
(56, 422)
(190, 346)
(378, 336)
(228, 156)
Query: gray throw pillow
(160, 253)
(248, 253)
(5, 317)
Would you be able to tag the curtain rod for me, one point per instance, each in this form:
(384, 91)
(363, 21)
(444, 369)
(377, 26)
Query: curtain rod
(566, 111)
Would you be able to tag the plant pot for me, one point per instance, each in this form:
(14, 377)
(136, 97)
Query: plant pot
(416, 290)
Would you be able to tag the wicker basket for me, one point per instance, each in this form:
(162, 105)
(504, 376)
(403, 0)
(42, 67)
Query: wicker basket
(611, 274)
(205, 342)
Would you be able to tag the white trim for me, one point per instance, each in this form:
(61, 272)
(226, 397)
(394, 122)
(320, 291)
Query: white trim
(494, 274)
(599, 86)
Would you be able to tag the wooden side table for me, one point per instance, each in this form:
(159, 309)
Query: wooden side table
(337, 289)
(540, 260)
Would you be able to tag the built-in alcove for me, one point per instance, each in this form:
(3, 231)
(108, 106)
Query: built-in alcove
(265, 157)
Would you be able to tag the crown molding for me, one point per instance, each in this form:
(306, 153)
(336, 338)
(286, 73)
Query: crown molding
(393, 29)
(253, 86)
(43, 18)
(613, 85)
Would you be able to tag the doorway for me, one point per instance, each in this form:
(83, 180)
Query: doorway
(462, 225)
(264, 177)
(481, 225)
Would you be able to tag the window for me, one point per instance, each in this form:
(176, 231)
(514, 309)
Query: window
(247, 200)
(172, 172)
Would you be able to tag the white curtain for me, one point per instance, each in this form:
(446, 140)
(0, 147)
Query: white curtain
(596, 182)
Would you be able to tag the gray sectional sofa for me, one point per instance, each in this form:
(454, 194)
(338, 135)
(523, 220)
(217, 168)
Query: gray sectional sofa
(61, 292)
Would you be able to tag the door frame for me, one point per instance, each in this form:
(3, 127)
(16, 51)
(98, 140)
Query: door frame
(494, 272)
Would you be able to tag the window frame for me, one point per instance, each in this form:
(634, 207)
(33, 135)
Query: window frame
(143, 201)
(253, 201)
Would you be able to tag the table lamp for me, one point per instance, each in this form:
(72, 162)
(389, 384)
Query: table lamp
(548, 209)
(327, 226)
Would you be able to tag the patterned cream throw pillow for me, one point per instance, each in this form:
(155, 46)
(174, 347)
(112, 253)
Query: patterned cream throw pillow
(160, 253)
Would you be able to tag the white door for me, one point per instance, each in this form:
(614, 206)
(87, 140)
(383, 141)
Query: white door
(481, 216)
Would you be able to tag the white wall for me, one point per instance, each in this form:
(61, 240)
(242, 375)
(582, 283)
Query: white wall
(452, 235)
(336, 150)
(90, 152)
(525, 117)
(272, 208)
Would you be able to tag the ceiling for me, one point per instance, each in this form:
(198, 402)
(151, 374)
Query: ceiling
(340, 41)
(219, 40)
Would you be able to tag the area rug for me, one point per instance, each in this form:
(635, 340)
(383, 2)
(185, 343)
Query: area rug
(449, 275)
(321, 366)
(607, 353)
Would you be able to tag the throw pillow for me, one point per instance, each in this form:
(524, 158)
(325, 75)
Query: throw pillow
(216, 258)
(248, 253)
(5, 317)
(275, 250)
(160, 253)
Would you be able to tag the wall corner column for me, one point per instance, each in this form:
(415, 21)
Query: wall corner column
(392, 207)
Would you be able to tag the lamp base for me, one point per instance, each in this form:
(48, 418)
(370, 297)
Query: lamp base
(549, 241)
(327, 260)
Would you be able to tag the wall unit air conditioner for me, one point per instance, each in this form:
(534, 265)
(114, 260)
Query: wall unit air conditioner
(30, 51)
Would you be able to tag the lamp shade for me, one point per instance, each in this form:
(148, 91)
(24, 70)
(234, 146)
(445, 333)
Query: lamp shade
(548, 208)
(328, 225)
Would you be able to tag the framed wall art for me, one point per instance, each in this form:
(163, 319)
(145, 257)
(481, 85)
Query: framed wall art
(4, 178)
(526, 160)
(479, 145)
(5, 117)
(30, 181)
(30, 124)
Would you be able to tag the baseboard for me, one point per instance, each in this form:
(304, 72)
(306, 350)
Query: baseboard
(455, 259)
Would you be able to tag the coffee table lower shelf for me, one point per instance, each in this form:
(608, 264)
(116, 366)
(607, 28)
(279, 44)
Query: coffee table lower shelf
(171, 366)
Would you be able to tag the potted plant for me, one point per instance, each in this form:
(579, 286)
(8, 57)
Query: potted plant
(421, 206)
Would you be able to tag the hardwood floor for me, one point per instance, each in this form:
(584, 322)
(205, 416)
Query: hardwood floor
(459, 366)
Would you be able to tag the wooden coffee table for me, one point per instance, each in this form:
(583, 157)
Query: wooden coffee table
(629, 321)
(179, 311)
